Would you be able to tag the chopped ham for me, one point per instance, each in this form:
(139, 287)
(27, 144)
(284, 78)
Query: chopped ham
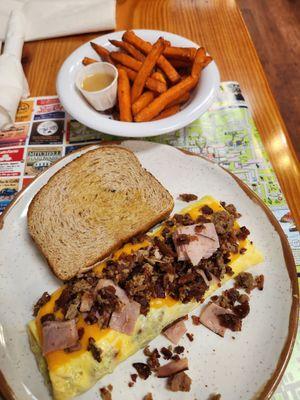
(124, 320)
(173, 367)
(59, 335)
(209, 318)
(204, 246)
(87, 300)
(120, 293)
(175, 332)
(180, 382)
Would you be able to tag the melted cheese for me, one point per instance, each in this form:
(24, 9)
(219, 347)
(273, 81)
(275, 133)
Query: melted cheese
(56, 359)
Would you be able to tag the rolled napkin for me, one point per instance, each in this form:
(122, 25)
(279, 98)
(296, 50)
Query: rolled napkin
(13, 84)
(40, 19)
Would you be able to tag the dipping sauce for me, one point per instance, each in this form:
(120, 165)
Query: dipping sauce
(98, 81)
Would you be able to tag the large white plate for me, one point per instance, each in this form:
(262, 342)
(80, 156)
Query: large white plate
(77, 106)
(245, 368)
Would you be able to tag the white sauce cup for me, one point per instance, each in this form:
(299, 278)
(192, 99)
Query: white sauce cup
(102, 99)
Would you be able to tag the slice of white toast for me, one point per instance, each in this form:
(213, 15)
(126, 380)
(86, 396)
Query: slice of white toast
(92, 206)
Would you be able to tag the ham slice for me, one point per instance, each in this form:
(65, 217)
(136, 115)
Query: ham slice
(209, 318)
(87, 300)
(58, 335)
(204, 245)
(124, 319)
(173, 367)
(175, 332)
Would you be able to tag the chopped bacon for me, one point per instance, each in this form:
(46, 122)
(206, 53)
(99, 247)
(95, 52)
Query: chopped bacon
(175, 332)
(124, 320)
(206, 242)
(173, 367)
(209, 318)
(59, 335)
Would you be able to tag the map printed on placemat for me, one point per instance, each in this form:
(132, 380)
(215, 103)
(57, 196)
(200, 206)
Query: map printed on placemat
(225, 134)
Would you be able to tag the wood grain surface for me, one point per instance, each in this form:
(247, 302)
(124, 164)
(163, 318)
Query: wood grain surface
(275, 30)
(216, 24)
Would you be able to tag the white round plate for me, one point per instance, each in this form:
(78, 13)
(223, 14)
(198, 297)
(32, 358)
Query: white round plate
(78, 108)
(248, 367)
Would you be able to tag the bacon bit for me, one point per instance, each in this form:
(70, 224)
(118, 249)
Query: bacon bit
(80, 333)
(133, 377)
(190, 336)
(167, 354)
(164, 248)
(243, 250)
(153, 361)
(207, 210)
(130, 384)
(243, 233)
(184, 238)
(173, 367)
(47, 317)
(142, 369)
(215, 397)
(245, 281)
(187, 197)
(105, 393)
(214, 298)
(242, 310)
(179, 349)
(230, 321)
(196, 320)
(180, 382)
(96, 353)
(260, 280)
(40, 303)
(148, 396)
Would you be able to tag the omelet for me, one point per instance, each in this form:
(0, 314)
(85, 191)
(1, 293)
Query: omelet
(69, 374)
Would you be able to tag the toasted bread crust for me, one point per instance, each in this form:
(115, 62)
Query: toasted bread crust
(54, 248)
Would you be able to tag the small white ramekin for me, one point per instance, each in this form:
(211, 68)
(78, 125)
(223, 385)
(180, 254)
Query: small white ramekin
(102, 99)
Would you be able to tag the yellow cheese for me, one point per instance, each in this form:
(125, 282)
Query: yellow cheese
(73, 373)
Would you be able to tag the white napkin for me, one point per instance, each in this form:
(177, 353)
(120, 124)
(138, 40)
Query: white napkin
(13, 84)
(25, 20)
(52, 18)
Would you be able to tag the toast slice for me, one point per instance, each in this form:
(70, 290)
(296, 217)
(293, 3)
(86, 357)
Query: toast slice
(92, 206)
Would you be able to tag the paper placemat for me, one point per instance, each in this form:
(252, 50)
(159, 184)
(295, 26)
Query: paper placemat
(225, 134)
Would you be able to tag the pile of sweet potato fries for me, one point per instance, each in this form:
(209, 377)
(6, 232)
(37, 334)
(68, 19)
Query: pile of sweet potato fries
(154, 80)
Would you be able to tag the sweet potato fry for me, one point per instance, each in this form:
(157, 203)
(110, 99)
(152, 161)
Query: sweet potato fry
(124, 96)
(102, 52)
(198, 62)
(183, 99)
(180, 63)
(168, 112)
(88, 61)
(159, 76)
(125, 59)
(162, 101)
(142, 102)
(152, 84)
(145, 47)
(146, 69)
(180, 53)
(131, 50)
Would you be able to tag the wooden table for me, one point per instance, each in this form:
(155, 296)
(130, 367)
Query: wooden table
(216, 24)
